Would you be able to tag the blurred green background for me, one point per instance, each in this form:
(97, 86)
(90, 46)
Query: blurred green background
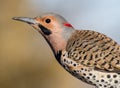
(26, 60)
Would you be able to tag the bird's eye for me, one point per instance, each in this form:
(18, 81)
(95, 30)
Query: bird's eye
(48, 20)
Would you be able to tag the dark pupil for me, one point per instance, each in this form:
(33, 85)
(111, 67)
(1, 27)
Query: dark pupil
(47, 20)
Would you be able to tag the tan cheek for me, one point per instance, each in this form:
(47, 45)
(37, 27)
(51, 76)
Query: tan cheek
(41, 21)
(55, 28)
(52, 26)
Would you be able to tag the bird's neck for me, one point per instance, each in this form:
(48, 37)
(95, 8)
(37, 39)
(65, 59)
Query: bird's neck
(57, 42)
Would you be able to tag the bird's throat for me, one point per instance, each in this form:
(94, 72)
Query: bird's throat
(56, 43)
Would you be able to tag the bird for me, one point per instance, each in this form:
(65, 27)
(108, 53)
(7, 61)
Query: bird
(90, 56)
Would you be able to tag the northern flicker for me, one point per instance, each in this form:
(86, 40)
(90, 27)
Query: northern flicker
(90, 56)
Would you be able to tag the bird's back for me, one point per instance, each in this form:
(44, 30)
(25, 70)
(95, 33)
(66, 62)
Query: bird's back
(94, 49)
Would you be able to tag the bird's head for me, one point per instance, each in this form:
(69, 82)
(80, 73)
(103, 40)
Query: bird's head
(53, 27)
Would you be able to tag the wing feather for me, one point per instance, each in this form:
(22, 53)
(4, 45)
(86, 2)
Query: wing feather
(93, 49)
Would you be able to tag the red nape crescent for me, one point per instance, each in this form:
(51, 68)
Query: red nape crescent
(68, 25)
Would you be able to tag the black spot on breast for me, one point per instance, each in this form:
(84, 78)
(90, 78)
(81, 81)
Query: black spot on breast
(114, 76)
(105, 85)
(94, 76)
(111, 87)
(64, 60)
(74, 64)
(100, 84)
(90, 74)
(88, 77)
(115, 81)
(84, 74)
(102, 80)
(82, 69)
(108, 76)
(75, 71)
(97, 80)
(71, 62)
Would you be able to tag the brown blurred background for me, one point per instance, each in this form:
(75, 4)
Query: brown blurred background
(26, 60)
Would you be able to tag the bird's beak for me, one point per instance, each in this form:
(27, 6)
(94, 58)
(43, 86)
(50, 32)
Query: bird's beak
(26, 20)
(33, 22)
